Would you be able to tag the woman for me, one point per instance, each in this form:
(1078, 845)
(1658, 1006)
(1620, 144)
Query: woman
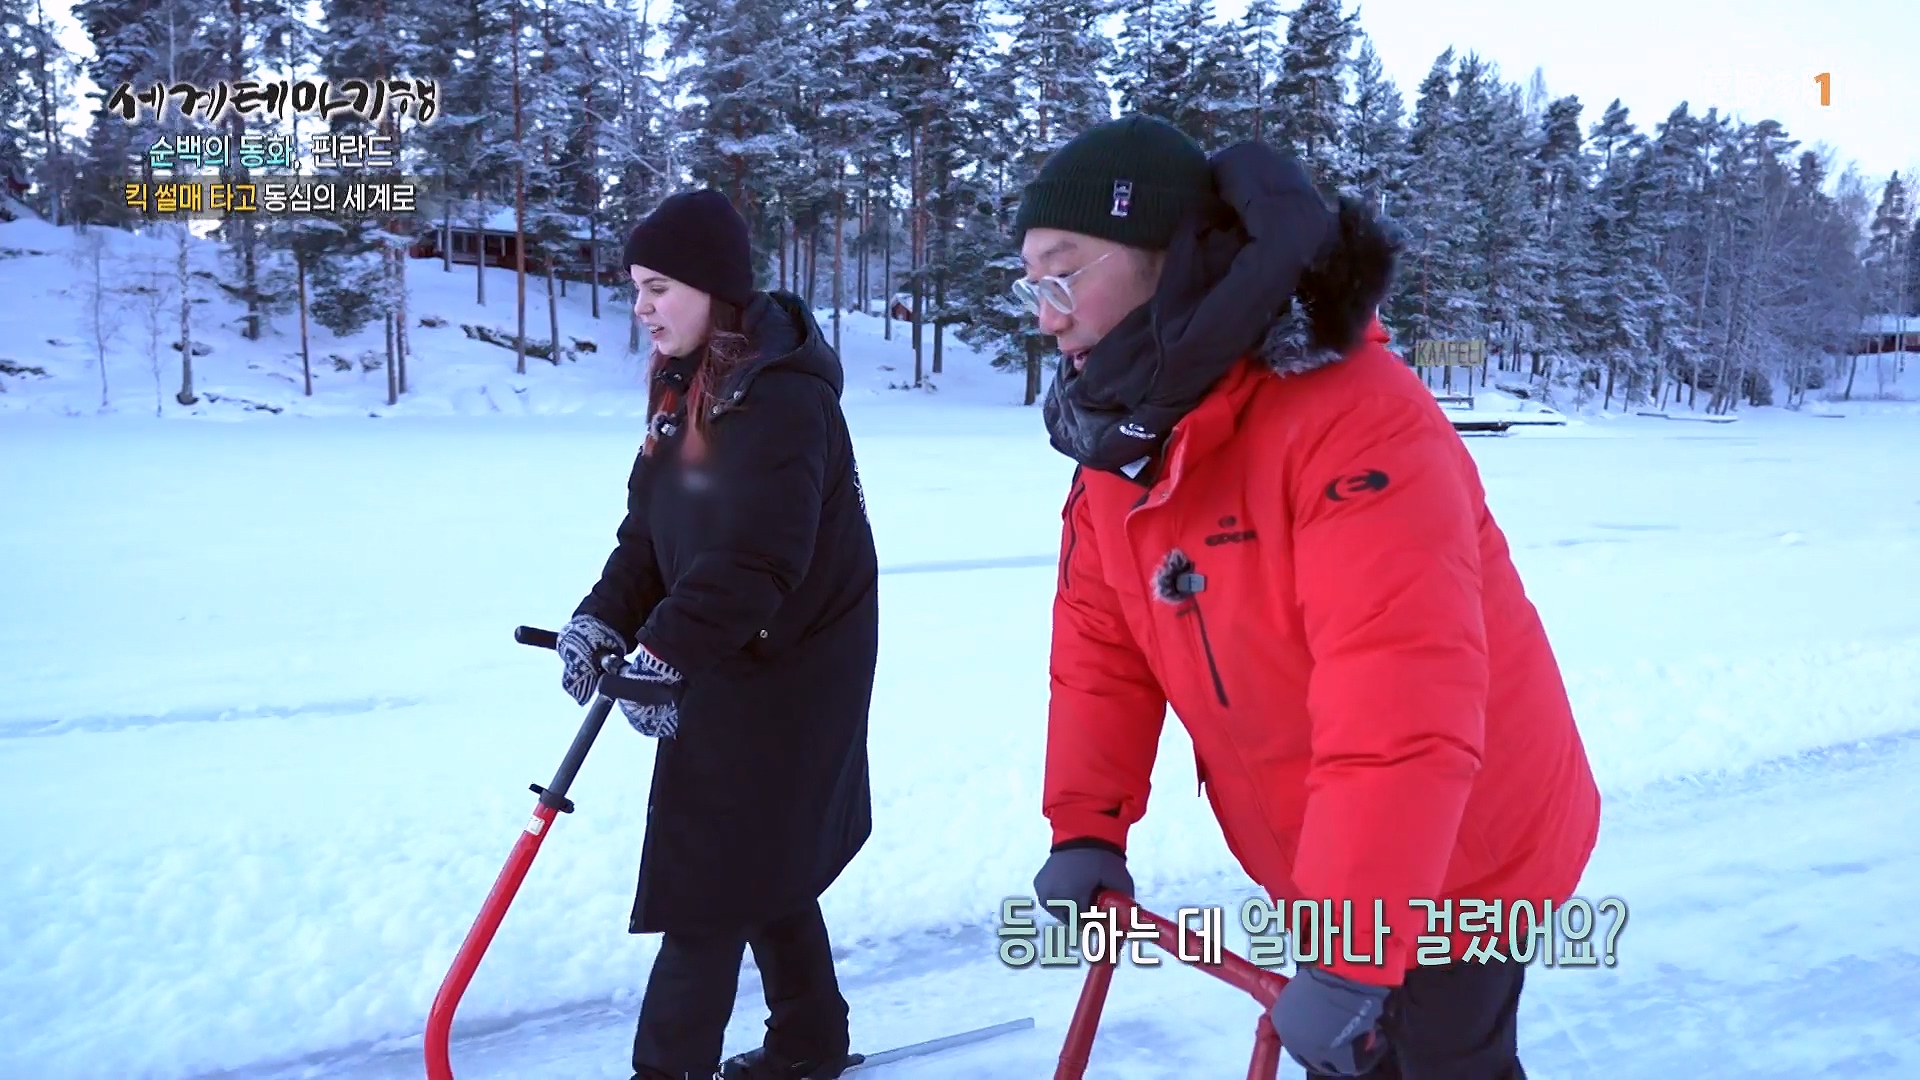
(745, 583)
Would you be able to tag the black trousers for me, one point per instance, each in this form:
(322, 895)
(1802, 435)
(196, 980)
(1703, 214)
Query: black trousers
(689, 998)
(1453, 1022)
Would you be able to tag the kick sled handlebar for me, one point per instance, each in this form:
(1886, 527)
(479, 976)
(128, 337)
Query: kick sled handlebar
(612, 683)
(553, 802)
(1263, 985)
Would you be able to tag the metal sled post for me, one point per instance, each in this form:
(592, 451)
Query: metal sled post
(1263, 985)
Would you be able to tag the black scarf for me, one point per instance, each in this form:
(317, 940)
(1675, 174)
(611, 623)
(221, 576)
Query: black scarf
(1230, 272)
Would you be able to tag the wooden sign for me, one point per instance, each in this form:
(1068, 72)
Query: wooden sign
(1433, 354)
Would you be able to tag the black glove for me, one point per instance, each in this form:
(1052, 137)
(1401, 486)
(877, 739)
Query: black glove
(1330, 1024)
(649, 695)
(1077, 870)
(582, 645)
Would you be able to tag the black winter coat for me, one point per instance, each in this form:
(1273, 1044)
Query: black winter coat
(754, 575)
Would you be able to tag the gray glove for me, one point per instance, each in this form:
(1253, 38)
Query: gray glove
(1077, 870)
(1330, 1024)
(653, 708)
(583, 642)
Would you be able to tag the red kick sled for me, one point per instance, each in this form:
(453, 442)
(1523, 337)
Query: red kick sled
(554, 802)
(1265, 986)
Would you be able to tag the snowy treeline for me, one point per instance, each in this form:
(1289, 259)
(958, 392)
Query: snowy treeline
(879, 150)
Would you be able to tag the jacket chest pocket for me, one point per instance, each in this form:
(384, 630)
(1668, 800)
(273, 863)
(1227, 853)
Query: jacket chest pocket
(1179, 584)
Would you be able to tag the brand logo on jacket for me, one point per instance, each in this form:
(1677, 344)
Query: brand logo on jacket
(1122, 198)
(1349, 487)
(1229, 534)
(1135, 431)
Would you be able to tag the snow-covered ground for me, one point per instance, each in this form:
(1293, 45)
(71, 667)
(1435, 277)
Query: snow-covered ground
(267, 738)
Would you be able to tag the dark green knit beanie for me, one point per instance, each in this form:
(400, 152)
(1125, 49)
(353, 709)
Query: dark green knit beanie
(1129, 180)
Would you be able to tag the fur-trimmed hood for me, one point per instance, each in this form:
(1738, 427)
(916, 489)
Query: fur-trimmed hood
(1335, 301)
(1263, 269)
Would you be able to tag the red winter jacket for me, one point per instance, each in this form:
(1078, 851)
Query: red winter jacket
(1375, 709)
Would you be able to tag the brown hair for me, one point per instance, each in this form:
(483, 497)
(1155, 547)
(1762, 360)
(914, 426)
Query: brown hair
(726, 350)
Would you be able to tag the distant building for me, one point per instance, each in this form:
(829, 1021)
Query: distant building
(1887, 333)
(495, 241)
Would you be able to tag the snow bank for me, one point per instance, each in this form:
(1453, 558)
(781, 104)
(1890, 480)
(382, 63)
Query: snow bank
(50, 336)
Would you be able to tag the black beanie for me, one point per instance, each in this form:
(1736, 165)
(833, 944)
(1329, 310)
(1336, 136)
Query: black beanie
(696, 238)
(1129, 180)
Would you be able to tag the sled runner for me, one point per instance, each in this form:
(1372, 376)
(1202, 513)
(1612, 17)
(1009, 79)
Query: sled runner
(1265, 986)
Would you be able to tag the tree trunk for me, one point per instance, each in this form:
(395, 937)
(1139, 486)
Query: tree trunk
(98, 298)
(249, 253)
(393, 365)
(593, 211)
(866, 222)
(939, 307)
(403, 350)
(886, 275)
(519, 212)
(916, 261)
(782, 245)
(186, 395)
(839, 239)
(49, 85)
(553, 316)
(446, 235)
(306, 356)
(1033, 370)
(813, 267)
(479, 248)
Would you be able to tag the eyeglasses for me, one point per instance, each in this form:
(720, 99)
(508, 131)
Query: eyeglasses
(1055, 289)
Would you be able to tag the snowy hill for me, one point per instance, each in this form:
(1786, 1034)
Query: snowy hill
(50, 340)
(49, 352)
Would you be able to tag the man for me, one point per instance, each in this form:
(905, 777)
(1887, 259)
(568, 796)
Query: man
(1275, 530)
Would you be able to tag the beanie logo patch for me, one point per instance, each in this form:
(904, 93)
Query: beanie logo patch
(1122, 198)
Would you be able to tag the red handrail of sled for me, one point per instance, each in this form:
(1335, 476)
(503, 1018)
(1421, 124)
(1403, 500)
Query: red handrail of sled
(1233, 969)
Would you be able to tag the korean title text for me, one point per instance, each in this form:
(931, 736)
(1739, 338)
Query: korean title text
(366, 98)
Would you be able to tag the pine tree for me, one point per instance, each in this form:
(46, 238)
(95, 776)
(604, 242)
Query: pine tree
(873, 64)
(1616, 334)
(1308, 92)
(1147, 71)
(1563, 173)
(1674, 211)
(468, 142)
(1375, 141)
(33, 73)
(1888, 238)
(1255, 49)
(1045, 90)
(1435, 299)
(141, 43)
(1198, 63)
(1503, 266)
(741, 139)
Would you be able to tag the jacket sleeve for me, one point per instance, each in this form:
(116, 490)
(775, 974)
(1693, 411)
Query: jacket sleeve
(1106, 708)
(769, 463)
(629, 584)
(1386, 541)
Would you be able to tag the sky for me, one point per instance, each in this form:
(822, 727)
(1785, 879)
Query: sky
(1756, 58)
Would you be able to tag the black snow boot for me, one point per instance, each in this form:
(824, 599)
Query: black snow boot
(764, 1064)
